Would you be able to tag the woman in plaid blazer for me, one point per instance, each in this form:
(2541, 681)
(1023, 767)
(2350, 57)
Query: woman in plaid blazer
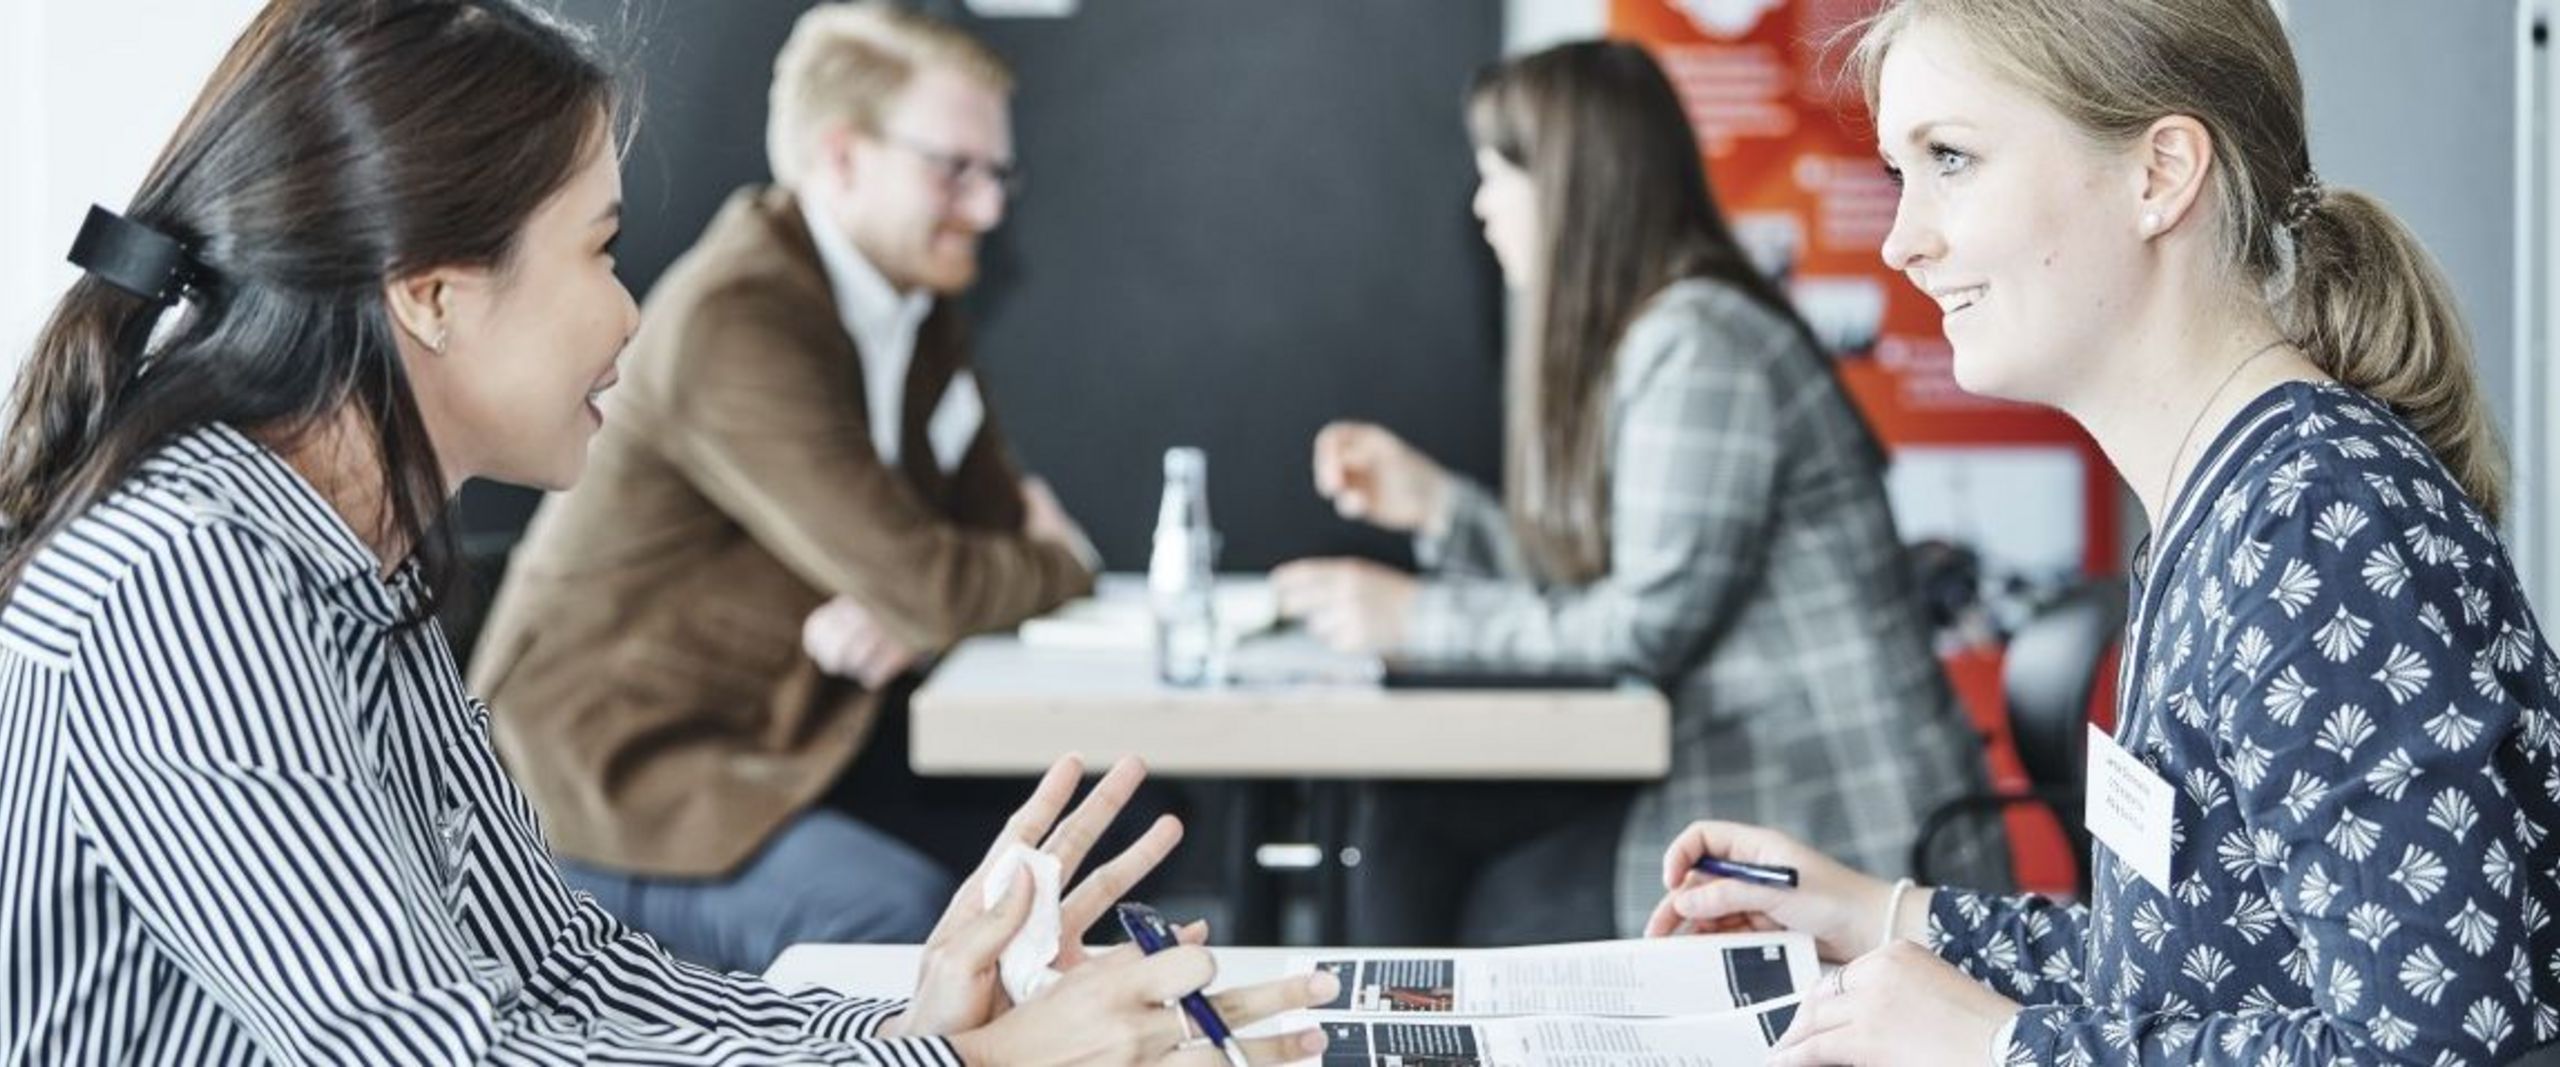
(1691, 498)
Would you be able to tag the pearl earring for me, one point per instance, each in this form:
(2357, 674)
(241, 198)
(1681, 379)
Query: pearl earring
(435, 346)
(2150, 223)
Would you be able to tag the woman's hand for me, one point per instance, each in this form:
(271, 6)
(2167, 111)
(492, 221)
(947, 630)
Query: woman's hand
(1841, 908)
(1116, 1009)
(1371, 475)
(957, 987)
(1351, 604)
(1898, 1004)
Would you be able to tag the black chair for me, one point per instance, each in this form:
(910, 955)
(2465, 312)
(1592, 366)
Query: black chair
(2047, 677)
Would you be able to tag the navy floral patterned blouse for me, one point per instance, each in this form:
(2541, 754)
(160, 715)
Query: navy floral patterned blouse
(2334, 664)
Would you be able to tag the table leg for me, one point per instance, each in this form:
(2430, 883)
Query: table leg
(1253, 908)
(1328, 825)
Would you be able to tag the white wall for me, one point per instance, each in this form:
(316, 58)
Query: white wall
(2420, 104)
(1529, 25)
(89, 91)
(22, 177)
(2535, 517)
(2416, 104)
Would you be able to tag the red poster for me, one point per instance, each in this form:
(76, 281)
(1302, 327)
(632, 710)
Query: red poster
(2019, 493)
(1795, 169)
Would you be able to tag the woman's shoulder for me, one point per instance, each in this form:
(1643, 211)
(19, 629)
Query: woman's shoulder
(69, 581)
(1700, 304)
(189, 520)
(2335, 461)
(2340, 533)
(1702, 325)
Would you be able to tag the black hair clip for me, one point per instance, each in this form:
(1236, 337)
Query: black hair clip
(134, 257)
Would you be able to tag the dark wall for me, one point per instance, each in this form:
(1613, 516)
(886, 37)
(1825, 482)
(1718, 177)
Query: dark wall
(1242, 219)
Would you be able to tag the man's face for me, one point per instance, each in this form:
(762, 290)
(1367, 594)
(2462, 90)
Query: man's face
(916, 197)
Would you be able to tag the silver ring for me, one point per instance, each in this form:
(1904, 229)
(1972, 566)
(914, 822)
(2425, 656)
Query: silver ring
(1181, 1022)
(1839, 981)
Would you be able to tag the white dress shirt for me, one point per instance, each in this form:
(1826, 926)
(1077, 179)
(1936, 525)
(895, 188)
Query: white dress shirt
(881, 320)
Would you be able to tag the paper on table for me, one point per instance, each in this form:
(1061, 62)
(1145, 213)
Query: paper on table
(1722, 1040)
(1662, 976)
(1120, 619)
(1726, 1038)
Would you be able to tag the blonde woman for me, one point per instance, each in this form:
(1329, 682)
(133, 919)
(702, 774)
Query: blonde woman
(2335, 691)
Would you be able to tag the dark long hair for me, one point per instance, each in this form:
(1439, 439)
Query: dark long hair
(1623, 198)
(340, 144)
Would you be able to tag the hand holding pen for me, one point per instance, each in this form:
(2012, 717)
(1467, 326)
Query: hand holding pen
(1149, 931)
(1721, 876)
(1122, 1007)
(1194, 1026)
(1768, 874)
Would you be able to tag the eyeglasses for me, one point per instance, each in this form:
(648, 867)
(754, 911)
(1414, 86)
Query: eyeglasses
(950, 168)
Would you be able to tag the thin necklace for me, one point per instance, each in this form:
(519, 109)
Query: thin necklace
(2170, 481)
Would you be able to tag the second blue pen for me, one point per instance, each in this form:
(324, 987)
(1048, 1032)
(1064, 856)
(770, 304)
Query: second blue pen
(1768, 874)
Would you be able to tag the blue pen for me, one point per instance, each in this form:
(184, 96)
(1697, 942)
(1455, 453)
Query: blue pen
(1148, 930)
(1769, 874)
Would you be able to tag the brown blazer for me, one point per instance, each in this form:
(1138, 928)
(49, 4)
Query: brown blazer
(643, 657)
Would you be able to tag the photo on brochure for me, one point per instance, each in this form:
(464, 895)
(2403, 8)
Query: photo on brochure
(1630, 979)
(1758, 974)
(1363, 1044)
(1724, 1039)
(1394, 986)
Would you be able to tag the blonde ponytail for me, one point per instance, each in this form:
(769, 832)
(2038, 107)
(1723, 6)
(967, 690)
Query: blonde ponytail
(2372, 308)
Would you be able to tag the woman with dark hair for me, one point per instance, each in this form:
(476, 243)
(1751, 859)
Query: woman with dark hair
(249, 815)
(1690, 498)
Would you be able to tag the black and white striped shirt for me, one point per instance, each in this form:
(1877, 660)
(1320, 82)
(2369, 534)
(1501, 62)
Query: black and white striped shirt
(244, 819)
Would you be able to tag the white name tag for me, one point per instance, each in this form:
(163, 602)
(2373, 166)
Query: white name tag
(955, 421)
(2130, 808)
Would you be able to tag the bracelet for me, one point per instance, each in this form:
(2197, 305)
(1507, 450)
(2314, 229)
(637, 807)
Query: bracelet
(1893, 910)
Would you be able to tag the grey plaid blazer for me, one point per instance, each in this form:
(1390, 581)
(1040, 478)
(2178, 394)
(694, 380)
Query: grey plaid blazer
(1756, 577)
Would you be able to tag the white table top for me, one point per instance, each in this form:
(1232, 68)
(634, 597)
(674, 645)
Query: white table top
(890, 970)
(999, 706)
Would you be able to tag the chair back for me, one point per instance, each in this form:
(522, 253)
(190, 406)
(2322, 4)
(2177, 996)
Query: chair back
(2049, 673)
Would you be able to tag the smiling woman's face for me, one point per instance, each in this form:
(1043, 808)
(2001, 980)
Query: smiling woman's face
(2024, 232)
(514, 394)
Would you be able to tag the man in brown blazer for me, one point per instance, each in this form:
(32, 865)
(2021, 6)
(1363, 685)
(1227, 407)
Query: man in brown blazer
(798, 495)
